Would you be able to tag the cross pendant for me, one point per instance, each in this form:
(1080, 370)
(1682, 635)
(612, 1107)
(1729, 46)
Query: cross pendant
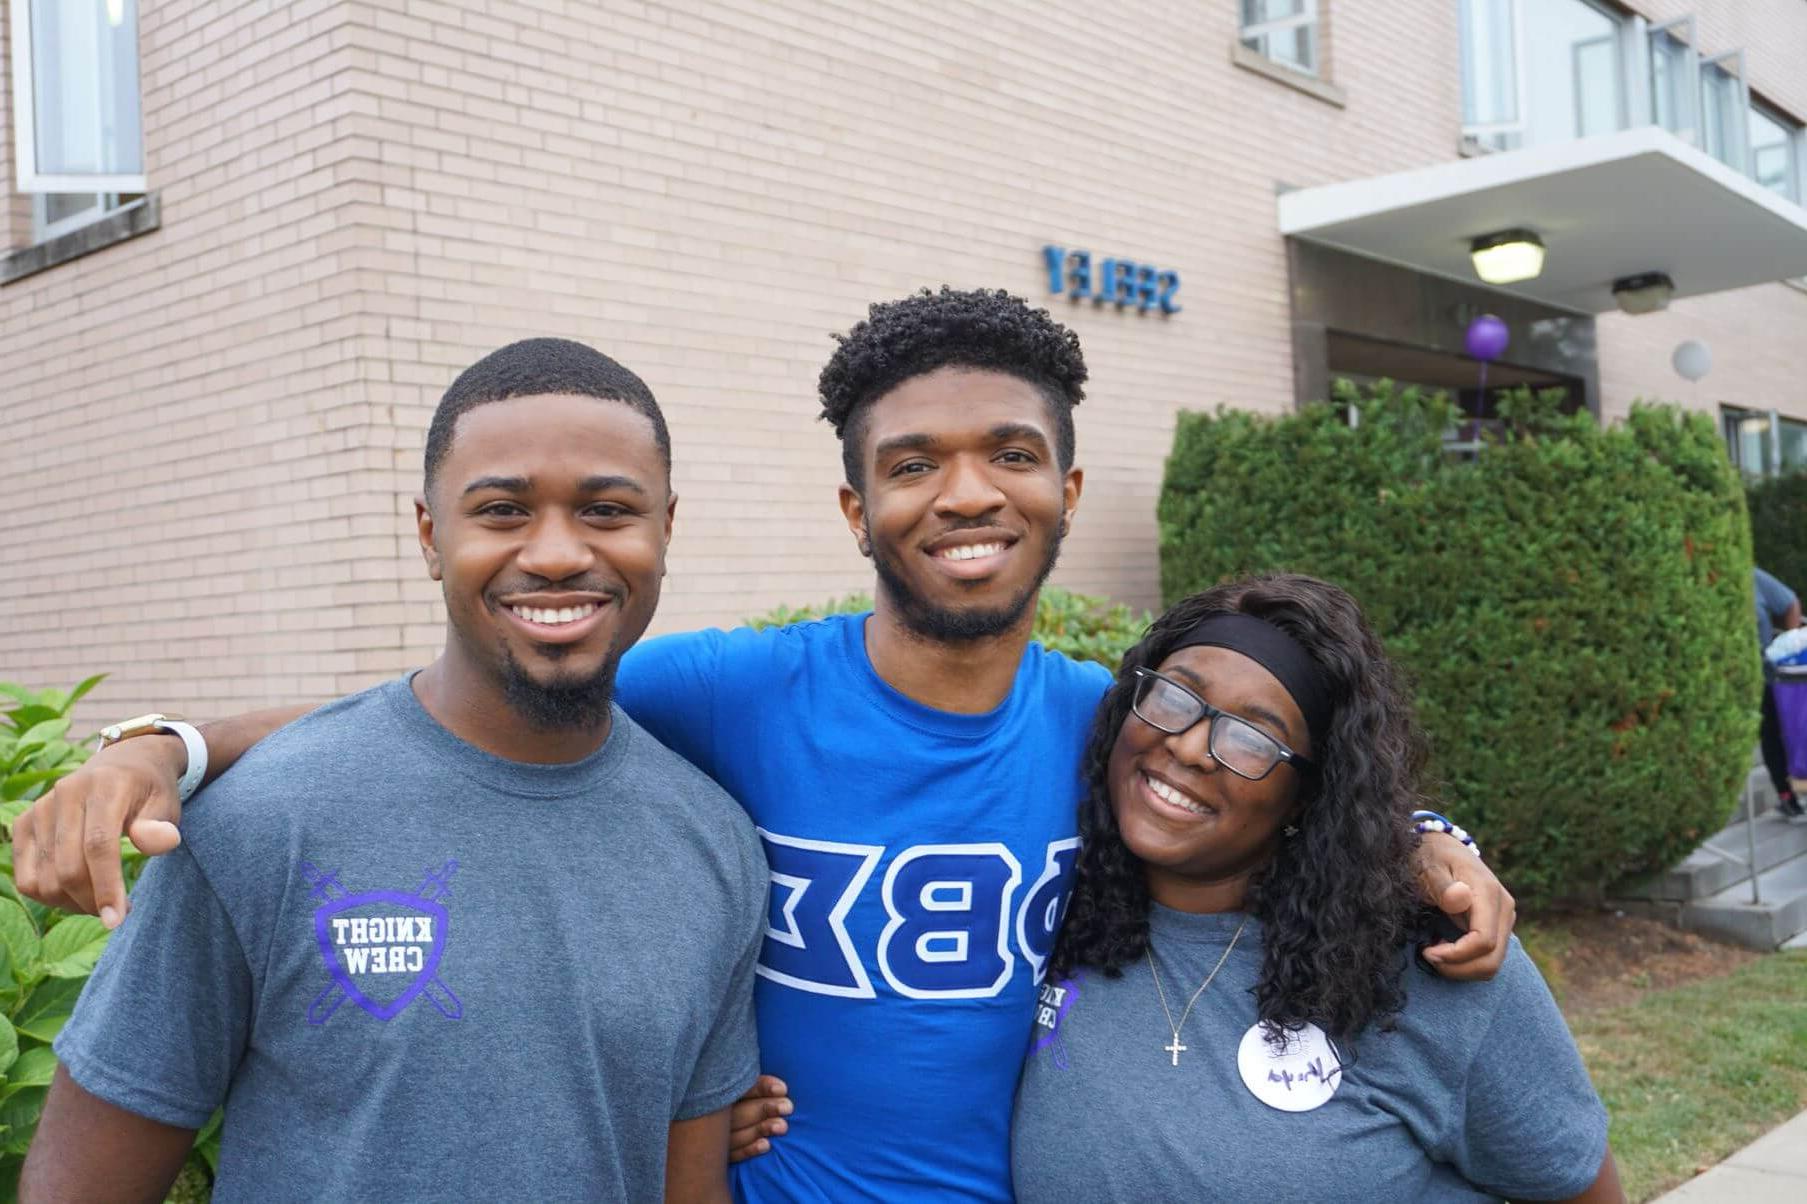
(1175, 1048)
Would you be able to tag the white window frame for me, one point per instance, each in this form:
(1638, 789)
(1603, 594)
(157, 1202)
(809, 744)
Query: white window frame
(1680, 30)
(43, 230)
(1478, 131)
(1794, 142)
(1732, 63)
(30, 179)
(1307, 18)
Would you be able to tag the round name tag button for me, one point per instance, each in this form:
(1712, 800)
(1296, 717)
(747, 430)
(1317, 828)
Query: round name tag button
(1298, 1076)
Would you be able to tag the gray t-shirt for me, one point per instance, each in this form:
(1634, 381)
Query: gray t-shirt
(1773, 601)
(411, 970)
(1478, 1093)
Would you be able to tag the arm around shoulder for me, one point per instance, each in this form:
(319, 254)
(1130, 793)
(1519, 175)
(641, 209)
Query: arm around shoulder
(88, 1151)
(696, 1160)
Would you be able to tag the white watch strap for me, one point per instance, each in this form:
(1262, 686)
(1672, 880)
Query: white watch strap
(197, 756)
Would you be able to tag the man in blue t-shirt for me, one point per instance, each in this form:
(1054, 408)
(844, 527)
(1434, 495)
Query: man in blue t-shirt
(913, 772)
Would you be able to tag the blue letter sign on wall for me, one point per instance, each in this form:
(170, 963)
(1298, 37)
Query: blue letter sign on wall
(1121, 282)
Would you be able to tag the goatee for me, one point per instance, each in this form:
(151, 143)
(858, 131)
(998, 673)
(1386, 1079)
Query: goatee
(570, 704)
(951, 625)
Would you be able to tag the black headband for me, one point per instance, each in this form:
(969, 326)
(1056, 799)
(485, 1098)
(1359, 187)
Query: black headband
(1279, 654)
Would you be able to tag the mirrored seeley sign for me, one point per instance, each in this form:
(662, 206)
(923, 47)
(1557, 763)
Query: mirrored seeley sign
(1120, 282)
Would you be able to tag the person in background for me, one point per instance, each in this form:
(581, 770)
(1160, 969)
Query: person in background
(1233, 1010)
(1778, 609)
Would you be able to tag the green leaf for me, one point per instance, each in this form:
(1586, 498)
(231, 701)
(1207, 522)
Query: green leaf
(10, 1166)
(19, 693)
(27, 717)
(19, 1112)
(9, 1048)
(42, 733)
(33, 1068)
(207, 1141)
(71, 948)
(81, 691)
(47, 1009)
(20, 936)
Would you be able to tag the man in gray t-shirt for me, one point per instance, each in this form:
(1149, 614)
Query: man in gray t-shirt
(400, 991)
(472, 934)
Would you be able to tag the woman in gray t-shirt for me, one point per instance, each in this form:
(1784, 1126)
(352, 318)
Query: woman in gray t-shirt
(1232, 1010)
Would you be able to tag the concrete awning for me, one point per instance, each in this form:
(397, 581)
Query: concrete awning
(1640, 200)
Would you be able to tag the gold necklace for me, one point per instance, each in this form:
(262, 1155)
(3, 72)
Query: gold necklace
(1174, 1047)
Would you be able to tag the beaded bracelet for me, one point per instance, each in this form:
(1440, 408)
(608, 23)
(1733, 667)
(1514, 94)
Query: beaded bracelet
(1430, 821)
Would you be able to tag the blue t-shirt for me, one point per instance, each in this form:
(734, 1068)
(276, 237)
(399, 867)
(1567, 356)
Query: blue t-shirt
(413, 971)
(1477, 1093)
(919, 860)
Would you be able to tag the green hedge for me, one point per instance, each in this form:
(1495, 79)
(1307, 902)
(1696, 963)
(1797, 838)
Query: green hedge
(1778, 507)
(46, 956)
(1574, 606)
(1085, 628)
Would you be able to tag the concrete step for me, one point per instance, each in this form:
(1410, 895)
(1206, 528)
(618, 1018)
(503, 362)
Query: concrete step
(1779, 918)
(1703, 874)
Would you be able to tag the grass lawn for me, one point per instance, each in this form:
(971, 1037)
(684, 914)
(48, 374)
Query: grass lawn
(1692, 1073)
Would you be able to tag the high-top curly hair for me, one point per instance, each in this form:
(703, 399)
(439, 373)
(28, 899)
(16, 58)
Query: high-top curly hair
(1337, 904)
(983, 329)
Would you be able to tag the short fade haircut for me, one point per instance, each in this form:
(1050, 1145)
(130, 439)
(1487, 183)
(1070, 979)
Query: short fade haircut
(983, 329)
(532, 368)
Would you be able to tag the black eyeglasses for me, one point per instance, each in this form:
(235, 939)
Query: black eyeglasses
(1235, 743)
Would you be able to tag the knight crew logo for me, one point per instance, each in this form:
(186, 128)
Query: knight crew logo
(382, 947)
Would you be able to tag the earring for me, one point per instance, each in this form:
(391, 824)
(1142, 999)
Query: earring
(1290, 830)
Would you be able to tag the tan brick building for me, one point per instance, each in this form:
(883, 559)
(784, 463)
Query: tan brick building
(213, 398)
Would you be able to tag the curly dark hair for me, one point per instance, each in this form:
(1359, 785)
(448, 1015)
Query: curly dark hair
(1337, 904)
(987, 329)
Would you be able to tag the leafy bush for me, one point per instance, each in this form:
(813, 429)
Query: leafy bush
(1778, 508)
(45, 955)
(1574, 605)
(1085, 628)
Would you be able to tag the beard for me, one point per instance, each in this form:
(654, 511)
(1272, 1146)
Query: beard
(956, 625)
(564, 704)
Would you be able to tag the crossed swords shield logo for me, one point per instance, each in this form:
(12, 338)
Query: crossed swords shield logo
(382, 947)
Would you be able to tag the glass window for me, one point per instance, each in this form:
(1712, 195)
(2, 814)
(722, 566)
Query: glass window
(1565, 86)
(57, 213)
(1671, 83)
(1722, 114)
(1747, 439)
(1489, 67)
(1283, 30)
(1792, 443)
(1773, 151)
(76, 99)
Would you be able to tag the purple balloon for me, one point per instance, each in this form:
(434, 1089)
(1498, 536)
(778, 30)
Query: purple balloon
(1486, 338)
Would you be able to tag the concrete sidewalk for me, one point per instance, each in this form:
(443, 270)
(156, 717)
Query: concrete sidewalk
(1771, 1170)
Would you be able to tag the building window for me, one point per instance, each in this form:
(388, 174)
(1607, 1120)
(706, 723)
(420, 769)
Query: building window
(1285, 31)
(1762, 442)
(1723, 107)
(76, 120)
(1538, 71)
(1775, 150)
(1674, 86)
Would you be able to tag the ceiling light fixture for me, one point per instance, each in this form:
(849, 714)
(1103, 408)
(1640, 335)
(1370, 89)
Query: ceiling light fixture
(1644, 293)
(1508, 256)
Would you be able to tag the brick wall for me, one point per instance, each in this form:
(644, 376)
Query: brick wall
(220, 423)
(193, 491)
